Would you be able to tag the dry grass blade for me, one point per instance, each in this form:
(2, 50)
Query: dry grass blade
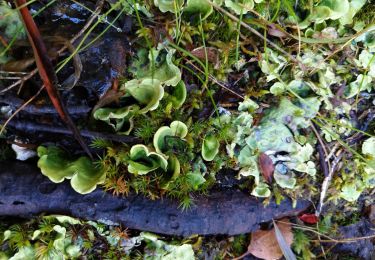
(265, 244)
(19, 109)
(284, 246)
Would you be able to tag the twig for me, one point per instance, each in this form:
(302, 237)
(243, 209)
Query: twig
(20, 81)
(348, 240)
(358, 136)
(326, 182)
(13, 72)
(333, 150)
(28, 126)
(325, 165)
(319, 138)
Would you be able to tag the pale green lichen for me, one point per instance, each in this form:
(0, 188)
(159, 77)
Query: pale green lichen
(239, 6)
(142, 160)
(10, 22)
(153, 71)
(178, 95)
(84, 175)
(277, 133)
(325, 10)
(193, 7)
(172, 6)
(210, 147)
(176, 129)
(117, 117)
(157, 65)
(148, 92)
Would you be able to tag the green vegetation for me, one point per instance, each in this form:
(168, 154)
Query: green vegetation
(251, 85)
(63, 237)
(83, 174)
(176, 78)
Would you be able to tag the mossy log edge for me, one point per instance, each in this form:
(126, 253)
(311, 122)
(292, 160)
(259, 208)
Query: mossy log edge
(25, 192)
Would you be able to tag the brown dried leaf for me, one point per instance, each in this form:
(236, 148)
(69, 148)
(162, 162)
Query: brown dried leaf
(266, 167)
(275, 32)
(212, 55)
(18, 65)
(112, 95)
(264, 243)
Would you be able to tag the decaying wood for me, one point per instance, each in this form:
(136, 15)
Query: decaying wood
(25, 192)
(47, 72)
(14, 102)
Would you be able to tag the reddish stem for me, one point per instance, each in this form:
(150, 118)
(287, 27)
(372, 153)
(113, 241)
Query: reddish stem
(46, 70)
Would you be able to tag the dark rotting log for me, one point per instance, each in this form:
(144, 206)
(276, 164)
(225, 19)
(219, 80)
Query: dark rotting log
(15, 102)
(25, 192)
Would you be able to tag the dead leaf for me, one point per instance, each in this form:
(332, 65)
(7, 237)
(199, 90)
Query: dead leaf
(264, 243)
(18, 65)
(212, 55)
(112, 95)
(274, 31)
(266, 167)
(309, 218)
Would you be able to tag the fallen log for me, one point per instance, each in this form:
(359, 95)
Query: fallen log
(25, 192)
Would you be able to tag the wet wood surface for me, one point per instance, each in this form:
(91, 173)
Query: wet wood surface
(25, 192)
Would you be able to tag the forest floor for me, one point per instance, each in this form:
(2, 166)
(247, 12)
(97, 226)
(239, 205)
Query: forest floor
(175, 100)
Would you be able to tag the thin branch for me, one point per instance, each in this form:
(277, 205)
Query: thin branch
(322, 147)
(216, 81)
(326, 183)
(329, 239)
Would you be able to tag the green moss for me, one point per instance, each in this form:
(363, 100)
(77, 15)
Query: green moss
(6, 152)
(366, 14)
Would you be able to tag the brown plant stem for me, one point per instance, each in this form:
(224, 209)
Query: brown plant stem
(47, 72)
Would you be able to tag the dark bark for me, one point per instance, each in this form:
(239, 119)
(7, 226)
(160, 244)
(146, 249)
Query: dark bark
(25, 192)
(360, 248)
(15, 102)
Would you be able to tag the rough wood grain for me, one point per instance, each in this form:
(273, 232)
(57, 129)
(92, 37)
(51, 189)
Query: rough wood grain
(25, 192)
